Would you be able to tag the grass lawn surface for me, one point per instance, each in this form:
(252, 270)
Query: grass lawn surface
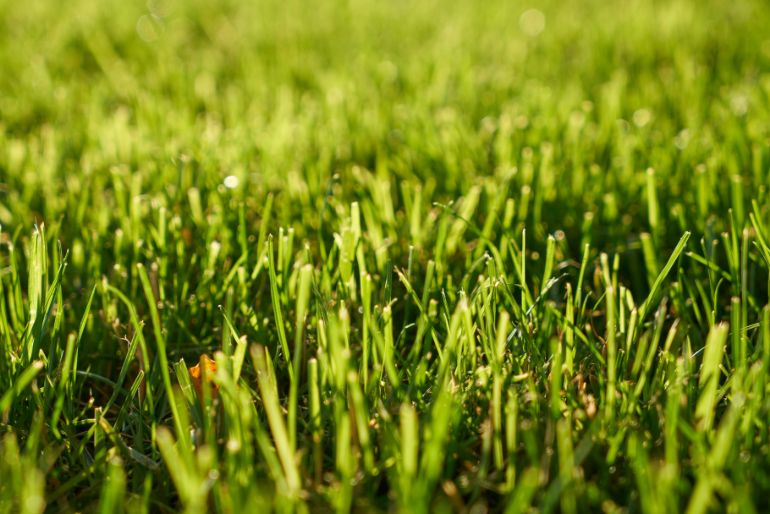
(396, 256)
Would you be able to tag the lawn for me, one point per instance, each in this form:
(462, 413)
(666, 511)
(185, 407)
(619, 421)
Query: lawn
(393, 257)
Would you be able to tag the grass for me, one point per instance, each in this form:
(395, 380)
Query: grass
(445, 256)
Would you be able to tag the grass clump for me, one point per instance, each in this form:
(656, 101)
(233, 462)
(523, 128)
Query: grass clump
(428, 257)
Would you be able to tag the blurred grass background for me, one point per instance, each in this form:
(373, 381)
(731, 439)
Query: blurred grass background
(562, 104)
(440, 93)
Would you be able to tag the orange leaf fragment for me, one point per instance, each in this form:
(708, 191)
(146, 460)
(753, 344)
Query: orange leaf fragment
(206, 366)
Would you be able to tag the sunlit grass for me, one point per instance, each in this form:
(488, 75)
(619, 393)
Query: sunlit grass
(427, 256)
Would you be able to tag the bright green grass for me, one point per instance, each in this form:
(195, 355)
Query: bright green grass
(445, 262)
